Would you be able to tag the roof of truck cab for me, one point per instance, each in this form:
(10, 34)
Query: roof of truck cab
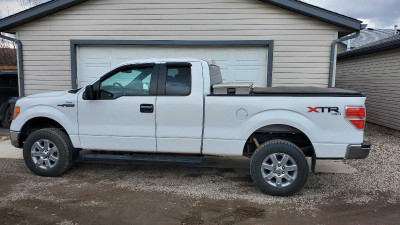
(160, 60)
(157, 60)
(181, 60)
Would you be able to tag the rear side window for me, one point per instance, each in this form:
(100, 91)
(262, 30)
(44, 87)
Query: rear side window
(178, 81)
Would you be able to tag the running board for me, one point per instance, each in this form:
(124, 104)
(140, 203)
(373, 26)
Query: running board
(144, 158)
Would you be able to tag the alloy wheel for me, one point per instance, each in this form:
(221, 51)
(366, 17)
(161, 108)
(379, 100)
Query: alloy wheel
(44, 154)
(279, 170)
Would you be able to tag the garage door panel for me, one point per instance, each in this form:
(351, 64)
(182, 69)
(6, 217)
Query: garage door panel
(89, 72)
(224, 71)
(247, 75)
(94, 55)
(238, 63)
(222, 55)
(186, 53)
(97, 54)
(249, 55)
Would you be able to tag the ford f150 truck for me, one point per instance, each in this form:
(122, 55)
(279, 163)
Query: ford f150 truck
(167, 106)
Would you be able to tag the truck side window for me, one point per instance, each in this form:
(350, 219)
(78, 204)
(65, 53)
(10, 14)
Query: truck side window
(178, 81)
(127, 82)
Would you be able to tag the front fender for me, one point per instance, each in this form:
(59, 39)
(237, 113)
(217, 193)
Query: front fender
(69, 123)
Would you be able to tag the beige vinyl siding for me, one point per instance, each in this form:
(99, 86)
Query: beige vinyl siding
(378, 76)
(301, 52)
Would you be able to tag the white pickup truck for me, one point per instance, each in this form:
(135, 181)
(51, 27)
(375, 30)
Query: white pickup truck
(168, 106)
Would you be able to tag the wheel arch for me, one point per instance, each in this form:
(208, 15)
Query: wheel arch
(280, 117)
(37, 123)
(279, 131)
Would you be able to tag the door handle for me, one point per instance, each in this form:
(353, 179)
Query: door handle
(146, 108)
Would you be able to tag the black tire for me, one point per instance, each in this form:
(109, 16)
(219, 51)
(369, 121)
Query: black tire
(279, 147)
(6, 122)
(63, 144)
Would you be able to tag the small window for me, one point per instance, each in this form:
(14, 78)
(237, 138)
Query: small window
(127, 82)
(178, 81)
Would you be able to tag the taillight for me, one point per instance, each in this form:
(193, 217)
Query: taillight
(356, 116)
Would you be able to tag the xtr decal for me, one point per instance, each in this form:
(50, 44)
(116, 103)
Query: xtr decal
(331, 110)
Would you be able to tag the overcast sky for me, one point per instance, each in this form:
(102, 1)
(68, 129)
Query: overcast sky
(8, 7)
(376, 13)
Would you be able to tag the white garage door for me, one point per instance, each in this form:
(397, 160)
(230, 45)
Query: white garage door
(237, 63)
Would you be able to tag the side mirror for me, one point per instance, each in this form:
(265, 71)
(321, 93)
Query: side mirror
(89, 93)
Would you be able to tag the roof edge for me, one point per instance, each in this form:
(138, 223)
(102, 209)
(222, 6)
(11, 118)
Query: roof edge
(55, 6)
(318, 13)
(36, 12)
(370, 49)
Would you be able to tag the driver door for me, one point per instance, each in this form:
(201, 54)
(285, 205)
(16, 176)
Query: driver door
(123, 116)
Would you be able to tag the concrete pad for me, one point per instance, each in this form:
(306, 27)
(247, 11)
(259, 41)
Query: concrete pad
(7, 151)
(333, 166)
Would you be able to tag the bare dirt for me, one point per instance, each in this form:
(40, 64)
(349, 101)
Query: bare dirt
(95, 194)
(176, 194)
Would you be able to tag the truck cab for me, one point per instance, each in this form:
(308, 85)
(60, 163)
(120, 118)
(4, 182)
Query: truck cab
(141, 94)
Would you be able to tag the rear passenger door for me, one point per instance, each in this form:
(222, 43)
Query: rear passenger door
(179, 108)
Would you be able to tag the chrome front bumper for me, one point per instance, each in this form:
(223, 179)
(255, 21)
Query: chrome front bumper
(360, 151)
(14, 137)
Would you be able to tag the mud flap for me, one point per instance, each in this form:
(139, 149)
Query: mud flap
(313, 162)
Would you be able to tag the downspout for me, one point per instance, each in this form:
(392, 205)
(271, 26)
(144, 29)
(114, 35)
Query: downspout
(333, 55)
(20, 65)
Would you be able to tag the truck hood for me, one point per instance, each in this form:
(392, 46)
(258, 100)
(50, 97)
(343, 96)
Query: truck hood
(53, 99)
(49, 94)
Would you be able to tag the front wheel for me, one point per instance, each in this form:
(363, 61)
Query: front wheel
(48, 152)
(279, 168)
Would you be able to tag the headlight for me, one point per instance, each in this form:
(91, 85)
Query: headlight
(17, 110)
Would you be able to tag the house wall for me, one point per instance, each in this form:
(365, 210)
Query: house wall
(378, 76)
(341, 48)
(301, 52)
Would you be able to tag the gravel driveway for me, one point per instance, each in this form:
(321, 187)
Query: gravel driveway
(174, 194)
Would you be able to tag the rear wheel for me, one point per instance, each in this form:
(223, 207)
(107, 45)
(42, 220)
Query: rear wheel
(8, 116)
(279, 167)
(48, 152)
